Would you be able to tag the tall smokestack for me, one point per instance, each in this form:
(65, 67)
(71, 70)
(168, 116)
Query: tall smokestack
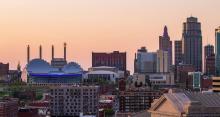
(28, 54)
(52, 52)
(64, 51)
(40, 52)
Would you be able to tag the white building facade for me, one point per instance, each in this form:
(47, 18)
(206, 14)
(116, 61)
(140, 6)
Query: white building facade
(104, 73)
(162, 61)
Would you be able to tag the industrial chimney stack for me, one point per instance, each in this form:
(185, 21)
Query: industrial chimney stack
(40, 52)
(64, 51)
(52, 52)
(28, 54)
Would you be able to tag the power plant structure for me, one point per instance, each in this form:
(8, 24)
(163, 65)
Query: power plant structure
(55, 62)
(58, 71)
(59, 62)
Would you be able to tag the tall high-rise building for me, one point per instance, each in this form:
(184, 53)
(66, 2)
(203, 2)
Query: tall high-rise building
(165, 44)
(210, 65)
(145, 62)
(209, 50)
(115, 59)
(192, 43)
(217, 51)
(162, 61)
(178, 52)
(209, 60)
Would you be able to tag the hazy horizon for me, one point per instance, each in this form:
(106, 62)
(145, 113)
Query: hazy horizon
(96, 25)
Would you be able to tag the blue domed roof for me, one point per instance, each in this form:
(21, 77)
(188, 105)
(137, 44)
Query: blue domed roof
(38, 66)
(72, 67)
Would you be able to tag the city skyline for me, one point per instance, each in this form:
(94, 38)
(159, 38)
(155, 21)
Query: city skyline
(91, 27)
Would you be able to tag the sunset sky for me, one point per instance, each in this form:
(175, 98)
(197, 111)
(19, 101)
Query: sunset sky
(96, 25)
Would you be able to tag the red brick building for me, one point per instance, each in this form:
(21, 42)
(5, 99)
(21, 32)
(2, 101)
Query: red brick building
(114, 59)
(30, 112)
(137, 99)
(206, 83)
(107, 102)
(8, 107)
(4, 68)
(122, 85)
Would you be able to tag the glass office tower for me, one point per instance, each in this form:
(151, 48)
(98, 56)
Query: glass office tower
(217, 51)
(192, 43)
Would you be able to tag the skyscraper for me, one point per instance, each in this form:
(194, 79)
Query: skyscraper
(178, 52)
(210, 65)
(209, 50)
(192, 43)
(145, 62)
(166, 45)
(217, 51)
(209, 60)
(162, 61)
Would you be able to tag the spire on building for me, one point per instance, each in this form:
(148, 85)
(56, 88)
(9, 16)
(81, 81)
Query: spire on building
(165, 32)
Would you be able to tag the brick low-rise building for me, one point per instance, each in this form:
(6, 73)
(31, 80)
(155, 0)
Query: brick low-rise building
(114, 59)
(183, 80)
(73, 100)
(8, 107)
(137, 99)
(4, 69)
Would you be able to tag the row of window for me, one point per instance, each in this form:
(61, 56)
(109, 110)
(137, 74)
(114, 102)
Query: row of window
(72, 90)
